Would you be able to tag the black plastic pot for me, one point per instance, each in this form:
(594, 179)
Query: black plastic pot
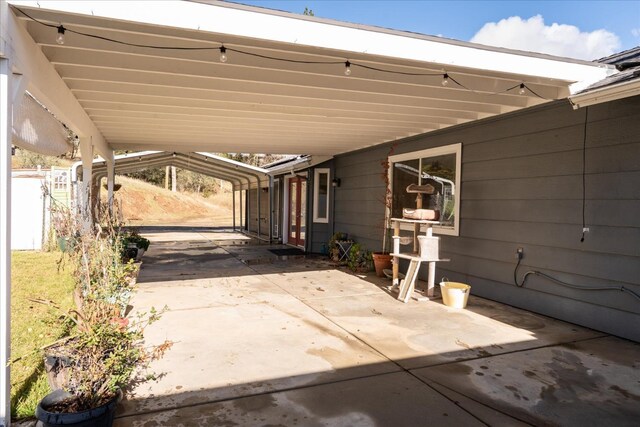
(102, 416)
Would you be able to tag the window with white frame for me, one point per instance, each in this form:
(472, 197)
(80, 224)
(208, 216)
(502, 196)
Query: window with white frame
(438, 167)
(321, 195)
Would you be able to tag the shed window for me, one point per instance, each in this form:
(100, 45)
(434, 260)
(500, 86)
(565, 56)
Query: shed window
(439, 167)
(321, 195)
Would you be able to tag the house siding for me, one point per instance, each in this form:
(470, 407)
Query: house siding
(522, 187)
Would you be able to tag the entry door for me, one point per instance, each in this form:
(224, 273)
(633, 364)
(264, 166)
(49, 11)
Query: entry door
(297, 210)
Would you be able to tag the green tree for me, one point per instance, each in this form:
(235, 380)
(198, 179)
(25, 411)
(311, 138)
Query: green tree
(153, 176)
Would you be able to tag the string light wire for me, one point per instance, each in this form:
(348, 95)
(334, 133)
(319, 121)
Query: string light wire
(445, 75)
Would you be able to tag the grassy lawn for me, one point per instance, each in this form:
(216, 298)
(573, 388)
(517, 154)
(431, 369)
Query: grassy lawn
(34, 275)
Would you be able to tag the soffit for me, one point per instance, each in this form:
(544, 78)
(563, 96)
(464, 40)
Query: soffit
(147, 99)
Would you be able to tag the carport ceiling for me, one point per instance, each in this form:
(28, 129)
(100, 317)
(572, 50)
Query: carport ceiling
(187, 100)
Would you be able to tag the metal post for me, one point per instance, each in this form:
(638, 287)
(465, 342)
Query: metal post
(233, 204)
(111, 176)
(84, 199)
(259, 189)
(270, 209)
(5, 240)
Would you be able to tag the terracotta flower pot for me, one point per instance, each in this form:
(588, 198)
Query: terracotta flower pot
(381, 261)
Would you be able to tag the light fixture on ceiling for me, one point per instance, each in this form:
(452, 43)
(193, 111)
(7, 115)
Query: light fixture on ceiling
(347, 68)
(223, 54)
(60, 39)
(522, 89)
(60, 35)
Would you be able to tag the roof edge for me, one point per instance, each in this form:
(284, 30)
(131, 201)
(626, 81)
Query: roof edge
(343, 38)
(392, 31)
(610, 93)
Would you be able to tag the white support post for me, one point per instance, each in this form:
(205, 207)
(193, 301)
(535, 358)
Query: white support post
(270, 209)
(233, 205)
(84, 198)
(5, 239)
(259, 189)
(111, 176)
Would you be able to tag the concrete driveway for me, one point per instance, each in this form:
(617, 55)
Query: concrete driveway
(265, 341)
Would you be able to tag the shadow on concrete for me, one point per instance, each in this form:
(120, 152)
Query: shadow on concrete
(558, 386)
(302, 343)
(179, 228)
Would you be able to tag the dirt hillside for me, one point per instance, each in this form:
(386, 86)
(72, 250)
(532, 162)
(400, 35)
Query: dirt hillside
(146, 204)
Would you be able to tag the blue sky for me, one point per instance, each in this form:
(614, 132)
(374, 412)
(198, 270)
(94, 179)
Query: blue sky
(461, 20)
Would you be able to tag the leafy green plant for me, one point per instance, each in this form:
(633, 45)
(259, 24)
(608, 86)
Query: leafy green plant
(334, 249)
(132, 236)
(104, 357)
(359, 259)
(105, 351)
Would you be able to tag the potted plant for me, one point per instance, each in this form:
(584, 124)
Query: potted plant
(338, 244)
(116, 187)
(133, 240)
(383, 260)
(104, 353)
(359, 259)
(62, 228)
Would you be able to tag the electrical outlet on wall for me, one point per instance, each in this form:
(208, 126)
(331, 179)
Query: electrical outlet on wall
(520, 253)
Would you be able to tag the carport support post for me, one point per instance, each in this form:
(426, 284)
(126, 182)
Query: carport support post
(259, 190)
(5, 236)
(111, 173)
(270, 209)
(86, 151)
(233, 205)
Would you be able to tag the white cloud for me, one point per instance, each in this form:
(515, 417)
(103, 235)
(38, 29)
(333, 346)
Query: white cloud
(555, 39)
(635, 32)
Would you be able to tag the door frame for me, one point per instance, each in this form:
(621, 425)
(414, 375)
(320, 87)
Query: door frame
(285, 209)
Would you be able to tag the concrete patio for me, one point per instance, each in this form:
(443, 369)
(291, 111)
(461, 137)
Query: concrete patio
(261, 340)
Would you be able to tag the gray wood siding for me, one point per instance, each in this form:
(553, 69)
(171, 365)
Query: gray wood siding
(522, 187)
